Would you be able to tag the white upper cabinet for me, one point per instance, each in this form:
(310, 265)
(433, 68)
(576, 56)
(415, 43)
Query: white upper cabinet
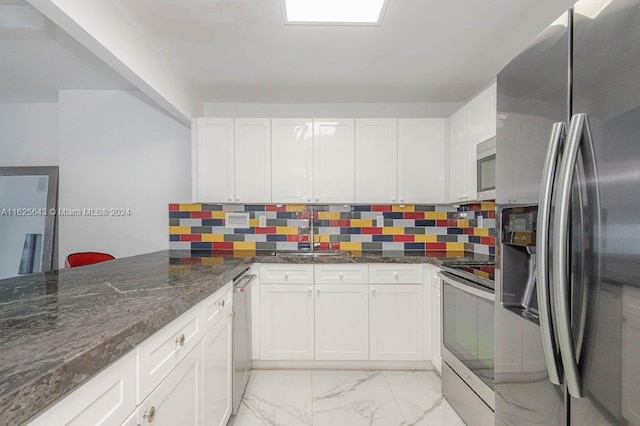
(376, 160)
(421, 160)
(459, 154)
(481, 116)
(292, 160)
(333, 161)
(252, 160)
(213, 159)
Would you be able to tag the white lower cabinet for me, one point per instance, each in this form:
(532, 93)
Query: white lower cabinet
(178, 398)
(286, 322)
(395, 322)
(217, 373)
(342, 322)
(436, 322)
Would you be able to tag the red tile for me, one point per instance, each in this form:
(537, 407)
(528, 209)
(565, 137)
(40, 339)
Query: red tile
(293, 238)
(191, 261)
(223, 246)
(474, 207)
(489, 241)
(267, 230)
(381, 208)
(187, 237)
(467, 231)
(436, 246)
(274, 208)
(174, 207)
(442, 223)
(324, 246)
(414, 215)
(372, 231)
(200, 215)
(492, 214)
(404, 238)
(303, 238)
(344, 223)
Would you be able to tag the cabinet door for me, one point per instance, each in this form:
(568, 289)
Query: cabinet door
(292, 160)
(217, 373)
(395, 322)
(106, 399)
(421, 160)
(479, 118)
(213, 160)
(458, 157)
(178, 398)
(252, 160)
(333, 161)
(376, 160)
(342, 322)
(286, 321)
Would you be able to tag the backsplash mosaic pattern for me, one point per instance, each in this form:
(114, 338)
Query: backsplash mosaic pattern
(417, 228)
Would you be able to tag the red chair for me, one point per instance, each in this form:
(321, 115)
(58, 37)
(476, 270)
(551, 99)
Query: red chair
(86, 258)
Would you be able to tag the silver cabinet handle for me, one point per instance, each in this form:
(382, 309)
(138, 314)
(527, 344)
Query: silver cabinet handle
(578, 131)
(310, 289)
(180, 340)
(318, 291)
(150, 414)
(542, 241)
(373, 290)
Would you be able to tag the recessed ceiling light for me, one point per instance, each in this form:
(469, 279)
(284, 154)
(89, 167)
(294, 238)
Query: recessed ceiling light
(335, 12)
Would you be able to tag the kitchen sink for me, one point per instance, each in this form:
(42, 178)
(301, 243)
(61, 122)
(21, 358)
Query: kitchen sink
(313, 253)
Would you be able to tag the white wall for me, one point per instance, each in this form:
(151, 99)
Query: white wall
(117, 151)
(28, 134)
(332, 110)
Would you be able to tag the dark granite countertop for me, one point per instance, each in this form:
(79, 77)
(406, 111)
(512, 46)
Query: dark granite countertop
(59, 328)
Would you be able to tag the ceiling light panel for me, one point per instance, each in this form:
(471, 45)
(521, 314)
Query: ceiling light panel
(335, 12)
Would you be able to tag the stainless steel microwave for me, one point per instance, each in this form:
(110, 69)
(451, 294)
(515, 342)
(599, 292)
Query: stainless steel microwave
(486, 167)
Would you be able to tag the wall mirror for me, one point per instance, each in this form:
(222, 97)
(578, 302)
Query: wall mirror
(28, 197)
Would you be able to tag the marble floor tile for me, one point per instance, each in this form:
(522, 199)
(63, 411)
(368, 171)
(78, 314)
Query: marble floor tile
(344, 397)
(276, 397)
(419, 397)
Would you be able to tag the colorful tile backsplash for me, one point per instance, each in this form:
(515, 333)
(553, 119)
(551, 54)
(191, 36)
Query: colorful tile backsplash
(335, 227)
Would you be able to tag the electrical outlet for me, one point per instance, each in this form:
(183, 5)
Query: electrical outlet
(380, 221)
(262, 221)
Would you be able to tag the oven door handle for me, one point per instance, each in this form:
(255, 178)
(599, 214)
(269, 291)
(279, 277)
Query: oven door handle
(448, 278)
(551, 353)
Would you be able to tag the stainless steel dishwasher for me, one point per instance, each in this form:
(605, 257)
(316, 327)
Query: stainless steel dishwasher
(241, 335)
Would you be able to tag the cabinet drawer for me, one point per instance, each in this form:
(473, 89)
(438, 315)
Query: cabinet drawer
(286, 274)
(161, 352)
(341, 274)
(107, 398)
(217, 306)
(393, 273)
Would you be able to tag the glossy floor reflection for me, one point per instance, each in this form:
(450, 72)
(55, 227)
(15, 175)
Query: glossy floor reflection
(344, 397)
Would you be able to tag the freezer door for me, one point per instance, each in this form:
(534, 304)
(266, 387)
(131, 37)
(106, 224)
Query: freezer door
(606, 329)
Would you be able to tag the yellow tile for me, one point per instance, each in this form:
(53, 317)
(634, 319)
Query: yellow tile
(463, 223)
(211, 260)
(212, 238)
(420, 238)
(244, 253)
(328, 215)
(351, 246)
(488, 206)
(289, 230)
(455, 246)
(244, 245)
(217, 215)
(190, 207)
(361, 223)
(481, 232)
(295, 207)
(253, 223)
(435, 215)
(392, 231)
(179, 230)
(406, 208)
(324, 238)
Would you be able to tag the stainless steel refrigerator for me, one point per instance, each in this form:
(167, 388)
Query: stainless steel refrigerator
(567, 312)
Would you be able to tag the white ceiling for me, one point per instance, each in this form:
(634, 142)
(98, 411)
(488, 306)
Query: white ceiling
(424, 51)
(35, 64)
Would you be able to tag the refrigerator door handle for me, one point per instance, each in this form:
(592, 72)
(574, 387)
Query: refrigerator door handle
(578, 131)
(542, 244)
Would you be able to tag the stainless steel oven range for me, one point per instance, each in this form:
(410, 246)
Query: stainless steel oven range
(467, 341)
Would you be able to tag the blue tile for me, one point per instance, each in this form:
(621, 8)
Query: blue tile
(275, 237)
(317, 223)
(286, 215)
(174, 237)
(492, 250)
(179, 215)
(454, 231)
(212, 222)
(475, 239)
(304, 246)
(201, 246)
(414, 246)
(350, 230)
(383, 238)
(393, 215)
(361, 208)
(425, 223)
(254, 208)
(244, 231)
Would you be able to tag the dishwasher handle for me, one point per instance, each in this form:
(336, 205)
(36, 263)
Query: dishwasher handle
(239, 287)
